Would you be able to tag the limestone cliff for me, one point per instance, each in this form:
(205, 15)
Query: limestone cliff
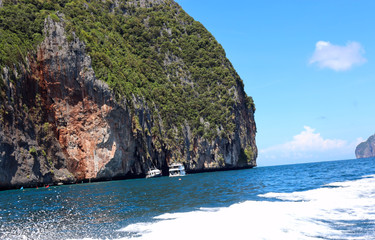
(60, 123)
(366, 149)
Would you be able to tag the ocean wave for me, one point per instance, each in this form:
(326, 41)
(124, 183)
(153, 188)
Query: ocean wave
(340, 210)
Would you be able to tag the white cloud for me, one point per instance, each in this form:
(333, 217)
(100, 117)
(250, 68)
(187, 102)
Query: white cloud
(307, 146)
(338, 58)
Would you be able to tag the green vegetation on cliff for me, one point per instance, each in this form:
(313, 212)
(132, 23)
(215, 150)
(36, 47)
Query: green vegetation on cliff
(21, 29)
(155, 51)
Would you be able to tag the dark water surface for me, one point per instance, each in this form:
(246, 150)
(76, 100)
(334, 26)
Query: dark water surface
(126, 209)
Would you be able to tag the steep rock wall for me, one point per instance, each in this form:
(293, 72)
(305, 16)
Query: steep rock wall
(61, 124)
(81, 108)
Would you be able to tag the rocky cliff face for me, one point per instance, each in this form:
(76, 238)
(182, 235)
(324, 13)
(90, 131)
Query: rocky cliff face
(59, 123)
(366, 149)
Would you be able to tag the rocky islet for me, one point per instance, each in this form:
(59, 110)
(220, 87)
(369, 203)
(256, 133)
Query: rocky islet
(60, 123)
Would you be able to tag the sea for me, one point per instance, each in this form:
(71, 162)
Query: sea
(323, 200)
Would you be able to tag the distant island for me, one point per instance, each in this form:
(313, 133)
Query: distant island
(366, 149)
(101, 90)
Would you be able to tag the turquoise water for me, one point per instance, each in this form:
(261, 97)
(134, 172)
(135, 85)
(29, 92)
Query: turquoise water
(326, 200)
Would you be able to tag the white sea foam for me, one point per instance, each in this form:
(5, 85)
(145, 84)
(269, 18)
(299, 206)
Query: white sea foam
(330, 212)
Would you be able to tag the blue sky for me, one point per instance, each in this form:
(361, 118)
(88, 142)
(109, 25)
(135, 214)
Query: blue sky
(308, 64)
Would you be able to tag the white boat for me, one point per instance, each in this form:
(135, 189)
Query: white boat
(153, 173)
(176, 170)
